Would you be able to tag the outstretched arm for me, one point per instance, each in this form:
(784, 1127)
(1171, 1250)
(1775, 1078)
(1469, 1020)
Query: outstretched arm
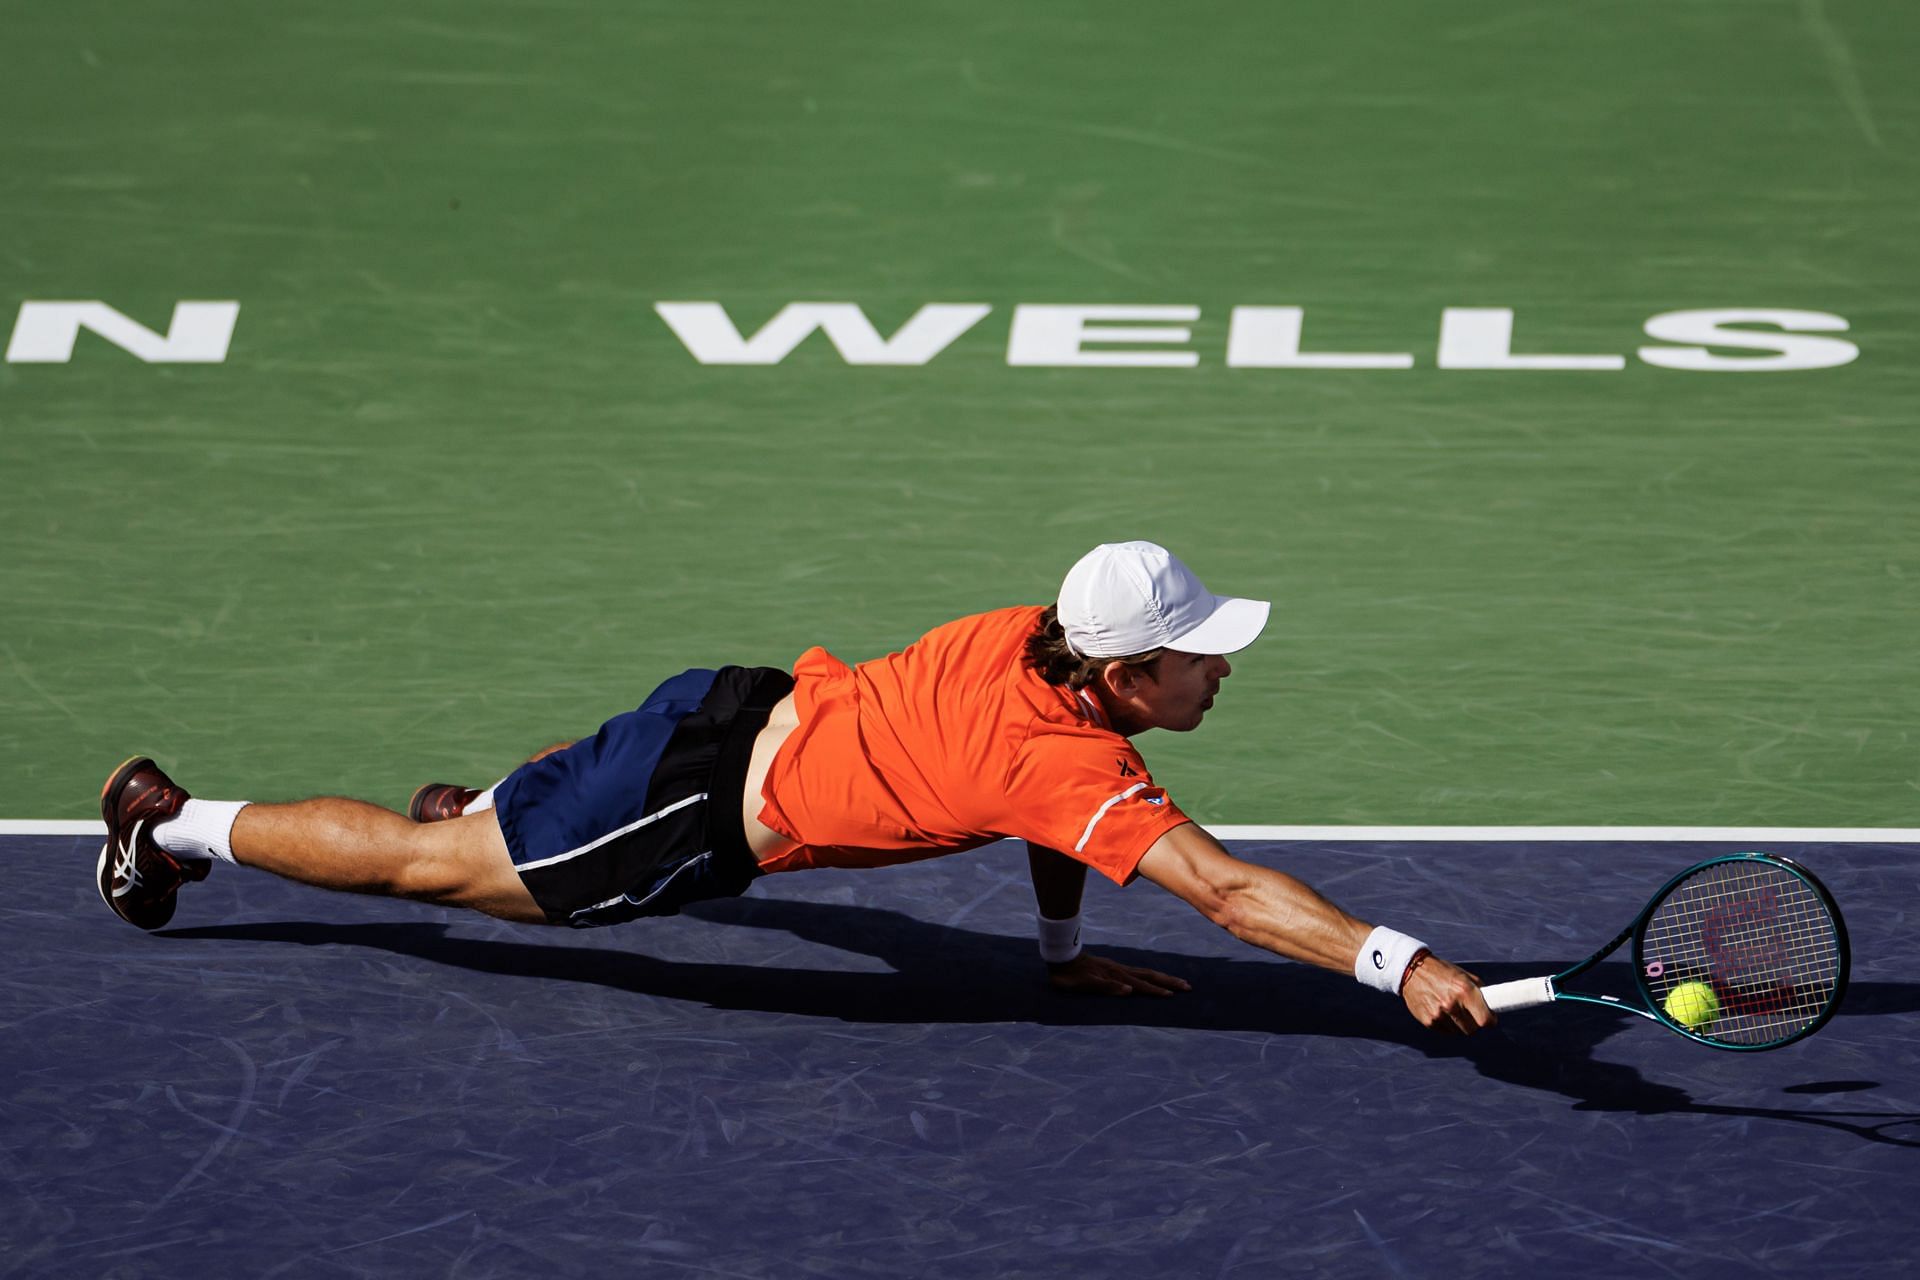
(1285, 916)
(1058, 882)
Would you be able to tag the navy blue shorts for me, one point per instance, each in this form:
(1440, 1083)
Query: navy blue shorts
(643, 817)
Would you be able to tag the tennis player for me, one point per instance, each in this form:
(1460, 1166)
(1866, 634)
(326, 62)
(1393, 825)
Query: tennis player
(1013, 723)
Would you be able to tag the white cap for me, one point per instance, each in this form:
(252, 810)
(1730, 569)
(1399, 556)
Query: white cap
(1124, 598)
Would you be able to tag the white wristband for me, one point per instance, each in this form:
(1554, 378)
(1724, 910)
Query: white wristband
(1059, 939)
(1384, 958)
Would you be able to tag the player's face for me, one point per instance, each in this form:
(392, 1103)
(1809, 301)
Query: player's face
(1179, 691)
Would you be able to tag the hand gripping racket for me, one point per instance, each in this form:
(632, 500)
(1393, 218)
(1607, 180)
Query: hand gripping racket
(1758, 930)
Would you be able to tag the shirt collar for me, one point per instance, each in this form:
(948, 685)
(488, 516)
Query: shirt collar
(1090, 705)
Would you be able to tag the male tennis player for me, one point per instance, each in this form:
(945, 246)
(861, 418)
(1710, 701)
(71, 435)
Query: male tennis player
(1011, 723)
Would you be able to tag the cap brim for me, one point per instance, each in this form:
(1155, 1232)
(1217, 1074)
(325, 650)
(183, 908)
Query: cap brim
(1232, 626)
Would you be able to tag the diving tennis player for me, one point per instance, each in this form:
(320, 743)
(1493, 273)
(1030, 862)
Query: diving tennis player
(1014, 723)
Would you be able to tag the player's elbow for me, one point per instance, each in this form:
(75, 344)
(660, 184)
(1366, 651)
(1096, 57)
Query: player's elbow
(1237, 910)
(1240, 899)
(1225, 900)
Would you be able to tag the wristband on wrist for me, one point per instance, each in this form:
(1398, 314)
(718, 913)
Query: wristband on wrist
(1385, 958)
(1059, 939)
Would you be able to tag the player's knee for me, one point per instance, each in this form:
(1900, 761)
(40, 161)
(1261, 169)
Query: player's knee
(464, 863)
(426, 877)
(435, 869)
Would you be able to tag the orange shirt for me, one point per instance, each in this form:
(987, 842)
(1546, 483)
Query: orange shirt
(950, 744)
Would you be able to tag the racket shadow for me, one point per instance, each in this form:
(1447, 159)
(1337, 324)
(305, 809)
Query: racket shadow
(1554, 1051)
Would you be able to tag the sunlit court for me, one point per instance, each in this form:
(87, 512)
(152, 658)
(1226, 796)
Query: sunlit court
(393, 395)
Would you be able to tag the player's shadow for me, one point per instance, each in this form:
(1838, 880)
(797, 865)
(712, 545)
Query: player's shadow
(949, 974)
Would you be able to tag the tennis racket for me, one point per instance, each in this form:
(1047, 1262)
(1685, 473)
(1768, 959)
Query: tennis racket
(1763, 936)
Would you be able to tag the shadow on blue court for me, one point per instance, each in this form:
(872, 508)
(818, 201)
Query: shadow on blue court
(863, 1074)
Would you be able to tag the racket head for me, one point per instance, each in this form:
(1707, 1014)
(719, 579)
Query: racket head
(1763, 933)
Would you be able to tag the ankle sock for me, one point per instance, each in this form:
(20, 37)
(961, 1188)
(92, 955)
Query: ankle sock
(203, 829)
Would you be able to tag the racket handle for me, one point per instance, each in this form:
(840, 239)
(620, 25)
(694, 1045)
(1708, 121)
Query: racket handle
(1502, 996)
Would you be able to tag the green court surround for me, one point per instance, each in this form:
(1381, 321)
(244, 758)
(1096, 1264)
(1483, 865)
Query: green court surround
(457, 491)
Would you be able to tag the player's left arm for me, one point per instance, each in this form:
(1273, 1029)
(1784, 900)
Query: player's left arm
(1058, 882)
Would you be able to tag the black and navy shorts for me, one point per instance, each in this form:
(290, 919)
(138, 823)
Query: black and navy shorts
(643, 817)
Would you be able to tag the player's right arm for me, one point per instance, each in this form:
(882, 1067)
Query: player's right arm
(1057, 885)
(1274, 911)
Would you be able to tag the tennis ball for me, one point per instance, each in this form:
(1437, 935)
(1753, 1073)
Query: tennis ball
(1693, 1004)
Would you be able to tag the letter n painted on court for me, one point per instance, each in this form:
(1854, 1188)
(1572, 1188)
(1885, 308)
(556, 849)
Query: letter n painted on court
(199, 333)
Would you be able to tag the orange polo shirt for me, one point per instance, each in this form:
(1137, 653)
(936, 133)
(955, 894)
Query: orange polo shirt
(952, 743)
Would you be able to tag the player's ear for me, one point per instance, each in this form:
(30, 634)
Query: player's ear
(1121, 678)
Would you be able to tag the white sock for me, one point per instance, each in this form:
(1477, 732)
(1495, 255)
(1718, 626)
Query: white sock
(203, 829)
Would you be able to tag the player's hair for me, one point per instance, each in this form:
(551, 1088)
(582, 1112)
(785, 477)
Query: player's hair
(1049, 654)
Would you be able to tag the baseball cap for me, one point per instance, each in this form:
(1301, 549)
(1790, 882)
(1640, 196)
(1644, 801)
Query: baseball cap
(1129, 597)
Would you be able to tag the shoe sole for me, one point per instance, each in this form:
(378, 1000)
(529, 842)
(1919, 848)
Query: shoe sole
(417, 804)
(115, 779)
(419, 795)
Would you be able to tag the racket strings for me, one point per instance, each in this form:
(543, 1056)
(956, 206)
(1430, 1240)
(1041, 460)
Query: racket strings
(1761, 937)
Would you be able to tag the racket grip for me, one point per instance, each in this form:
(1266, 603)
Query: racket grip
(1525, 993)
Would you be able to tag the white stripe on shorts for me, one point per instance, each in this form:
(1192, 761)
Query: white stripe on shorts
(1101, 812)
(612, 835)
(696, 860)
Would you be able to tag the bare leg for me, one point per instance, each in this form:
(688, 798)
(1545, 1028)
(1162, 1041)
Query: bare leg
(361, 848)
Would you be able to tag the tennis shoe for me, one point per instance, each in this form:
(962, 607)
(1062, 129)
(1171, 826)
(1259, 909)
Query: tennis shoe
(137, 878)
(438, 801)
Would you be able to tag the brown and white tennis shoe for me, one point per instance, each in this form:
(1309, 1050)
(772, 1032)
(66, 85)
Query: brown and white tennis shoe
(138, 879)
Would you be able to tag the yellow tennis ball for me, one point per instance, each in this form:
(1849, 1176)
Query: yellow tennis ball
(1693, 1004)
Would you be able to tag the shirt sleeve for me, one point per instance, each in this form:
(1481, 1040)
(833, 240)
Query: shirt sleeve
(1091, 798)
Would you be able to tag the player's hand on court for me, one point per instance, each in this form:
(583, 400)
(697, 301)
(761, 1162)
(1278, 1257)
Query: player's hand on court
(1446, 998)
(1092, 975)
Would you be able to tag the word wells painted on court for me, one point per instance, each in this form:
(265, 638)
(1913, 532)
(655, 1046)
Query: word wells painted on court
(1723, 340)
(1053, 336)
